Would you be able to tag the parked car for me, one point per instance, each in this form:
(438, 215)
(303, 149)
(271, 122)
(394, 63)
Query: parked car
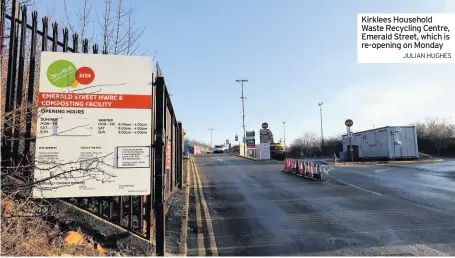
(218, 149)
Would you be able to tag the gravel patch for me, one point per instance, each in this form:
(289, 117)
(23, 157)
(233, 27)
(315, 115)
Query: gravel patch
(174, 216)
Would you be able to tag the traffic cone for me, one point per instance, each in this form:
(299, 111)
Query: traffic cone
(294, 167)
(304, 169)
(321, 168)
(310, 172)
(289, 169)
(285, 165)
(318, 174)
(300, 168)
(307, 168)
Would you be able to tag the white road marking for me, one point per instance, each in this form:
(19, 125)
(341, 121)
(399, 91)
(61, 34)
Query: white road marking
(373, 192)
(381, 170)
(328, 170)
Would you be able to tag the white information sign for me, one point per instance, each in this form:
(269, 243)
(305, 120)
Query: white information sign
(94, 125)
(265, 136)
(132, 157)
(265, 150)
(405, 38)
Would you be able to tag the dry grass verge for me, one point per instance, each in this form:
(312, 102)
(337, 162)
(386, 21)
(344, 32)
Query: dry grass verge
(25, 233)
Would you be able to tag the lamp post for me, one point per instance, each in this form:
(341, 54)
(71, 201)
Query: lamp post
(322, 133)
(284, 138)
(211, 132)
(243, 116)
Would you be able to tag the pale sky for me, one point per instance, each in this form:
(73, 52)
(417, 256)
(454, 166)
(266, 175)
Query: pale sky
(295, 54)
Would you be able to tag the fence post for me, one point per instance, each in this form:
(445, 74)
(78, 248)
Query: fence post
(10, 85)
(160, 134)
(2, 26)
(180, 162)
(20, 86)
(31, 84)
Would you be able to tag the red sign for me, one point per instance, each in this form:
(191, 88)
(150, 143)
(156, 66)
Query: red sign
(168, 155)
(348, 122)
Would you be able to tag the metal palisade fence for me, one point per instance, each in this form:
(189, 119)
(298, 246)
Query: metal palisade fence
(21, 45)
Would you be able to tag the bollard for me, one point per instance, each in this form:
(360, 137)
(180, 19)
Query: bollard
(310, 175)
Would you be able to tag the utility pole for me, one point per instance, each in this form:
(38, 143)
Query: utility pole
(322, 133)
(211, 132)
(243, 113)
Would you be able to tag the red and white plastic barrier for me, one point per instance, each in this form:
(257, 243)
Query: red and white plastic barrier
(307, 169)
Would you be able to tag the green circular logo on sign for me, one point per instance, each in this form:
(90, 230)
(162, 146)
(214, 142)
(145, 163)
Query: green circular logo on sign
(61, 73)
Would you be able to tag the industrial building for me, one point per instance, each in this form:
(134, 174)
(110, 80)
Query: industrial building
(385, 143)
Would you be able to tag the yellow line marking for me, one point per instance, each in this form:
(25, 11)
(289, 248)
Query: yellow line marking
(184, 225)
(200, 234)
(213, 248)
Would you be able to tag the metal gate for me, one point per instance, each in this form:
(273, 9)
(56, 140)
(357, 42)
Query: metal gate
(21, 45)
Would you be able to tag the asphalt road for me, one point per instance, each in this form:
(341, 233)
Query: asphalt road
(255, 209)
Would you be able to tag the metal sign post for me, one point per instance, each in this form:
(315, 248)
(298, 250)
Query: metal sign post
(348, 124)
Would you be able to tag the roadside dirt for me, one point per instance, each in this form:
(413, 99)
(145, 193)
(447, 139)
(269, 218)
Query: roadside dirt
(175, 215)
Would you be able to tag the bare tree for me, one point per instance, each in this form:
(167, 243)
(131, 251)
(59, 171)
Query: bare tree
(199, 143)
(307, 144)
(84, 17)
(436, 132)
(116, 26)
(119, 21)
(440, 132)
(133, 34)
